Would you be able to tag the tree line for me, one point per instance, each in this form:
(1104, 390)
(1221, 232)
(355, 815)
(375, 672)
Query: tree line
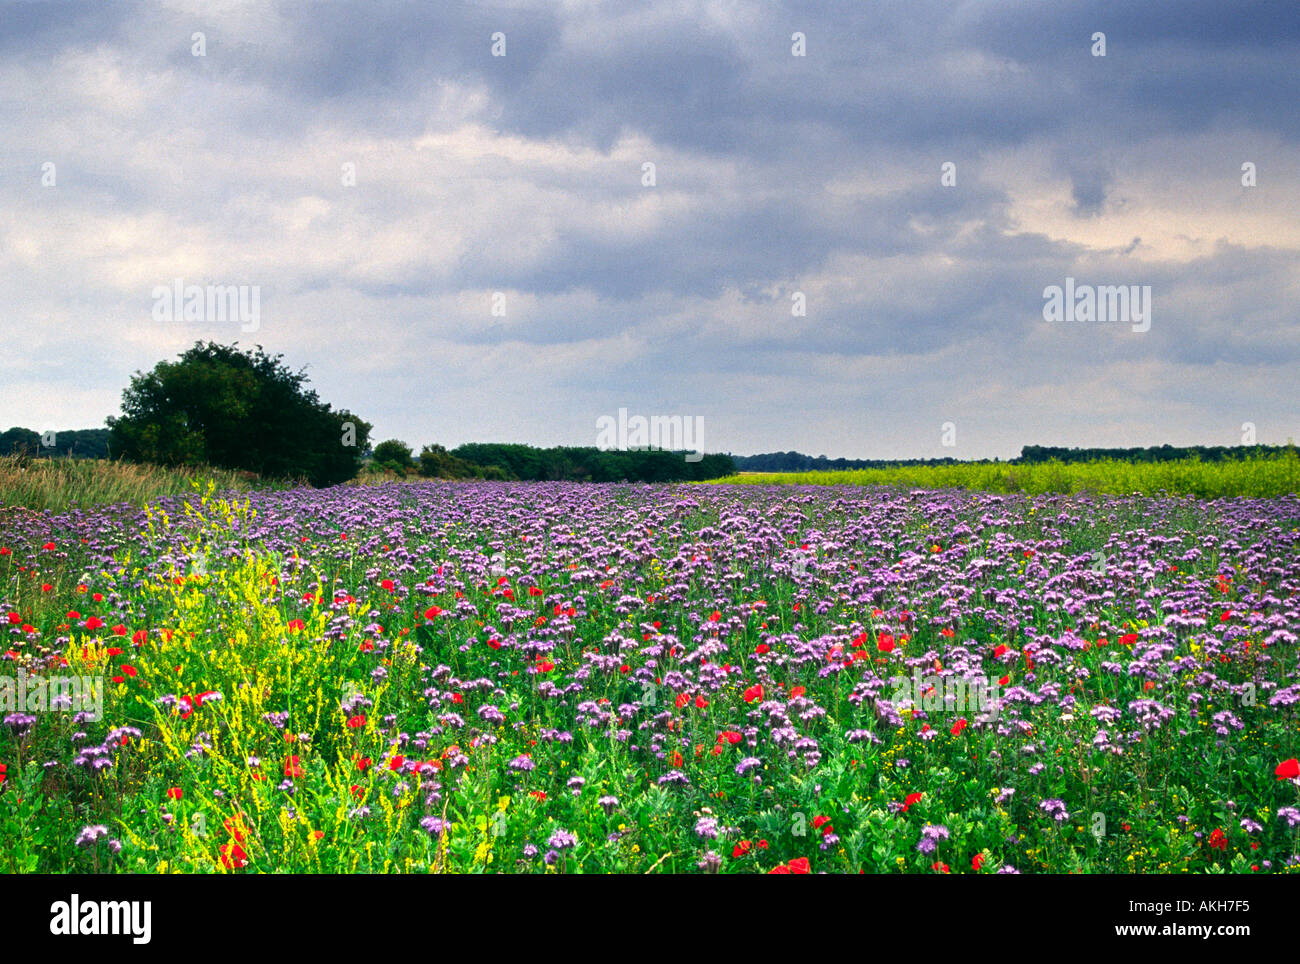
(1029, 454)
(246, 410)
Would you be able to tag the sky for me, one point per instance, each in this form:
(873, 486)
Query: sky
(461, 243)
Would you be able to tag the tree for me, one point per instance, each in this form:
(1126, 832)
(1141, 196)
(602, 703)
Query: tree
(237, 410)
(394, 454)
(20, 441)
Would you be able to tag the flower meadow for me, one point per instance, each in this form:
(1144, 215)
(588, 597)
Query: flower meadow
(563, 678)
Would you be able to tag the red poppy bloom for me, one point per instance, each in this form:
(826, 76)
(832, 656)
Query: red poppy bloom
(755, 692)
(292, 770)
(387, 585)
(433, 612)
(977, 862)
(175, 793)
(1219, 840)
(1128, 639)
(885, 643)
(357, 722)
(741, 849)
(800, 865)
(233, 856)
(295, 625)
(960, 725)
(1288, 769)
(910, 799)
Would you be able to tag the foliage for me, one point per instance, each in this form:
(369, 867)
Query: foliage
(236, 410)
(1262, 476)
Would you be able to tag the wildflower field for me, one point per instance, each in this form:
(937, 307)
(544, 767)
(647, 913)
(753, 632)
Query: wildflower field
(556, 677)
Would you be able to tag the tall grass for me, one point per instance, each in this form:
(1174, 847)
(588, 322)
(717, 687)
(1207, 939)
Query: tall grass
(1262, 477)
(59, 484)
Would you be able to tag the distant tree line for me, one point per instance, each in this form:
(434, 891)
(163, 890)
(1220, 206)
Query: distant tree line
(1153, 453)
(798, 462)
(83, 443)
(589, 464)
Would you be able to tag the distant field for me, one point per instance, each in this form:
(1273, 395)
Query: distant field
(1263, 477)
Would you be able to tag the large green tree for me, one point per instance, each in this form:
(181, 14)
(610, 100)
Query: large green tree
(237, 410)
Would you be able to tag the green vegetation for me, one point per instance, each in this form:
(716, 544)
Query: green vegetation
(236, 410)
(59, 484)
(1263, 476)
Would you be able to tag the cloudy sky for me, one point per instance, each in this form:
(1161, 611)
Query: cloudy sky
(128, 161)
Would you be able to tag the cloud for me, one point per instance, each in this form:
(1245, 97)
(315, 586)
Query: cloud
(775, 176)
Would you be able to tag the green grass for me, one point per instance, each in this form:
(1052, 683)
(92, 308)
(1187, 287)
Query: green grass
(59, 484)
(1263, 477)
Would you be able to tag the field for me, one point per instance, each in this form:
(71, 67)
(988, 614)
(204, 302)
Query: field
(555, 677)
(1257, 477)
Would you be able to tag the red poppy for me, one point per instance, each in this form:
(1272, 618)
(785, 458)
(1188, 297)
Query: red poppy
(714, 616)
(1128, 639)
(1288, 769)
(433, 612)
(295, 625)
(357, 722)
(233, 856)
(940, 867)
(1000, 651)
(292, 770)
(387, 585)
(1219, 840)
(755, 692)
(960, 725)
(15, 619)
(977, 862)
(800, 865)
(910, 800)
(885, 643)
(175, 793)
(741, 849)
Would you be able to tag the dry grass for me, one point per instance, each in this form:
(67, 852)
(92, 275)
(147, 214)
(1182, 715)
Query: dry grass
(60, 484)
